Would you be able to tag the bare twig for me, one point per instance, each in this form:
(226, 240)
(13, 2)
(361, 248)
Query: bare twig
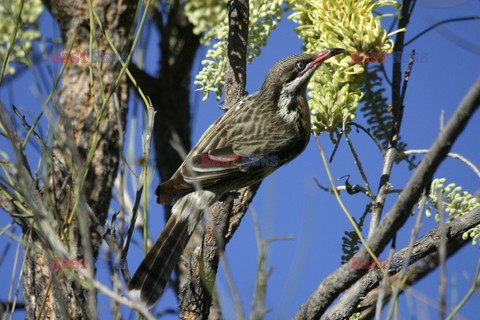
(438, 24)
(379, 145)
(359, 166)
(356, 188)
(407, 75)
(233, 289)
(235, 74)
(121, 173)
(384, 285)
(258, 308)
(342, 206)
(14, 272)
(28, 127)
(451, 155)
(413, 237)
(474, 286)
(339, 139)
(442, 254)
(141, 181)
(22, 268)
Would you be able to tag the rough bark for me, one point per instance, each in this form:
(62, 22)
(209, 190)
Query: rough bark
(198, 290)
(74, 137)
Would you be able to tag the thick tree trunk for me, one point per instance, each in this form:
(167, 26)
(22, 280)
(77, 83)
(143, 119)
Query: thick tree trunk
(53, 293)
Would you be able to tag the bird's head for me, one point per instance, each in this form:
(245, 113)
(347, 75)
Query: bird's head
(293, 73)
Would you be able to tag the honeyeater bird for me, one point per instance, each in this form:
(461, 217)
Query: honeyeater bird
(273, 123)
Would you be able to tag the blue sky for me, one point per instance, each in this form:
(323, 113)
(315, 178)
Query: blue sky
(289, 202)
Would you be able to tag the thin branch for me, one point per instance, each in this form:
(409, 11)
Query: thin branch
(344, 209)
(258, 308)
(138, 196)
(359, 166)
(474, 286)
(233, 289)
(413, 237)
(355, 188)
(28, 127)
(384, 285)
(407, 75)
(336, 147)
(20, 280)
(121, 172)
(148, 83)
(5, 305)
(438, 24)
(442, 253)
(379, 145)
(451, 155)
(397, 111)
(14, 272)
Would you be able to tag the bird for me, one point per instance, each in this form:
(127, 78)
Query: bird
(253, 138)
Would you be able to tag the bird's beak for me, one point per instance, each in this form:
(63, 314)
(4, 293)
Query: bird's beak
(321, 57)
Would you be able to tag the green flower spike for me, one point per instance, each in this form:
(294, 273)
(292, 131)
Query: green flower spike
(348, 24)
(455, 202)
(210, 19)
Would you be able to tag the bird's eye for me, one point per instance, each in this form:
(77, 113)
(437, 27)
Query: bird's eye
(300, 66)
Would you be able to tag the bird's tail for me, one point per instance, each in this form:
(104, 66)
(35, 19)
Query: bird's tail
(153, 274)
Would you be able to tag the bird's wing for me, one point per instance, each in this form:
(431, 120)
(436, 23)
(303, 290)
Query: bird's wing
(213, 161)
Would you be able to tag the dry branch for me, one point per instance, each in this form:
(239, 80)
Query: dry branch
(341, 279)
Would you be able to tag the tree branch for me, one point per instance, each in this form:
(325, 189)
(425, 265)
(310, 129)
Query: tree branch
(225, 216)
(397, 111)
(424, 259)
(345, 276)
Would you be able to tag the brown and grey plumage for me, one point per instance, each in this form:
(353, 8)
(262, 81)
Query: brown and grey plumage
(273, 123)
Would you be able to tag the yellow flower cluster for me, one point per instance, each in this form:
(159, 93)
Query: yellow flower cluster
(347, 24)
(206, 16)
(210, 19)
(455, 202)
